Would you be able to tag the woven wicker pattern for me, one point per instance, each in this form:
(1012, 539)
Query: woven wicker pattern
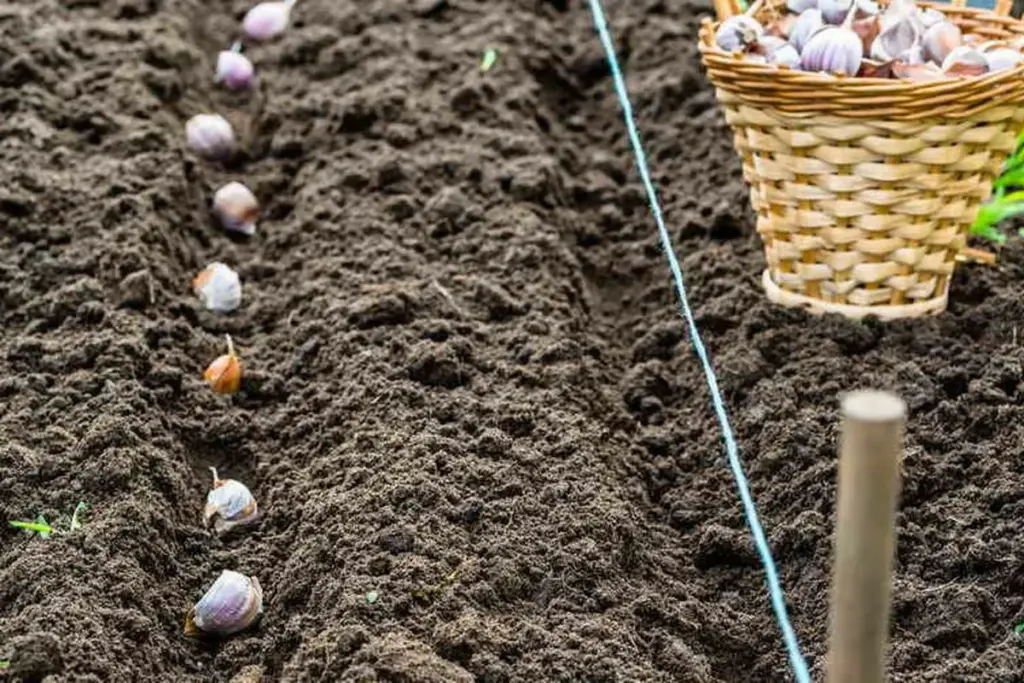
(865, 213)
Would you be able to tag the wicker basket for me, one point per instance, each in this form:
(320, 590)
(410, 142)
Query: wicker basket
(865, 188)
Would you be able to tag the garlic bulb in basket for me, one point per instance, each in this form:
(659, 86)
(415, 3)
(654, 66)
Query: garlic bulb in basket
(834, 49)
(809, 23)
(737, 32)
(233, 603)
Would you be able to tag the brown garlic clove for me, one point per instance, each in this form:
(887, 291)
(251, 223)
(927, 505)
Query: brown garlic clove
(870, 68)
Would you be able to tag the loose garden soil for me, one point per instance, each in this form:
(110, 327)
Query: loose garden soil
(469, 389)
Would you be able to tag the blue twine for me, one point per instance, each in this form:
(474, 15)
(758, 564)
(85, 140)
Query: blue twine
(796, 659)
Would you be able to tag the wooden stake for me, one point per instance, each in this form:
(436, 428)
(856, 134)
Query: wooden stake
(869, 462)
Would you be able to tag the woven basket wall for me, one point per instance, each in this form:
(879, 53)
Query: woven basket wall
(865, 188)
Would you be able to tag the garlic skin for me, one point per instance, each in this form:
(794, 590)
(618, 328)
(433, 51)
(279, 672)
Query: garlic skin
(219, 288)
(237, 208)
(835, 11)
(930, 16)
(809, 23)
(267, 20)
(896, 37)
(232, 604)
(835, 50)
(737, 32)
(801, 6)
(964, 61)
(1002, 58)
(234, 69)
(211, 136)
(940, 39)
(917, 72)
(229, 505)
(224, 374)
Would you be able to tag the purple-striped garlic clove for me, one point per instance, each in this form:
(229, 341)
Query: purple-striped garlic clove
(835, 50)
(234, 69)
(233, 603)
(809, 23)
(229, 505)
(835, 11)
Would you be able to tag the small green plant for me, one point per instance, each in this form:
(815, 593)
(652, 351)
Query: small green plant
(1007, 198)
(1019, 629)
(4, 663)
(44, 529)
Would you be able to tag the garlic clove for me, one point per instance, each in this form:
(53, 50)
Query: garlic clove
(737, 32)
(229, 505)
(801, 6)
(218, 287)
(234, 69)
(1002, 58)
(964, 61)
(930, 16)
(809, 23)
(939, 40)
(268, 19)
(835, 50)
(237, 208)
(834, 11)
(211, 136)
(224, 374)
(232, 604)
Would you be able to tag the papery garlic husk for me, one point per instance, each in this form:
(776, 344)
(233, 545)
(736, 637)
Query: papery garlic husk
(211, 136)
(237, 208)
(809, 23)
(801, 6)
(835, 50)
(939, 40)
(965, 61)
(1002, 58)
(870, 68)
(868, 30)
(233, 603)
(895, 38)
(737, 32)
(219, 288)
(917, 72)
(234, 69)
(229, 505)
(835, 11)
(268, 19)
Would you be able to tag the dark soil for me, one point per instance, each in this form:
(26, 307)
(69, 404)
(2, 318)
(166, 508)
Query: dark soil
(469, 389)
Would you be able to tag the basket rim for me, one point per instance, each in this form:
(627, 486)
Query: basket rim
(775, 76)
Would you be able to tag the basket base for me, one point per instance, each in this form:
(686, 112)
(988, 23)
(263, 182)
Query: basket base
(777, 295)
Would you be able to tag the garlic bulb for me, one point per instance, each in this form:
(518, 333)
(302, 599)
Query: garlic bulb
(809, 23)
(737, 32)
(835, 11)
(930, 16)
(835, 50)
(234, 69)
(224, 375)
(229, 505)
(965, 61)
(232, 604)
(219, 288)
(1002, 58)
(268, 19)
(940, 39)
(211, 136)
(786, 56)
(237, 208)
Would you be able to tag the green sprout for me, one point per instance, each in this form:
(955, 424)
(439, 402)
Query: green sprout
(44, 529)
(490, 57)
(1019, 629)
(371, 597)
(1007, 200)
(4, 663)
